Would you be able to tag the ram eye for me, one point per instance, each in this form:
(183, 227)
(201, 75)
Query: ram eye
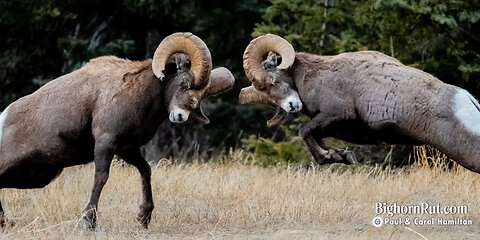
(185, 84)
(193, 102)
(272, 81)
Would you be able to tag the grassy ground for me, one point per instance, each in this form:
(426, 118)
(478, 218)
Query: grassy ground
(238, 201)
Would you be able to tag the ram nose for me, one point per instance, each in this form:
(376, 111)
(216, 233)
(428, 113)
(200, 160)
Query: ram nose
(295, 106)
(178, 115)
(292, 104)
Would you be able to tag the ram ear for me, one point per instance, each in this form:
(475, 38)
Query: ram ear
(170, 69)
(271, 61)
(183, 63)
(173, 64)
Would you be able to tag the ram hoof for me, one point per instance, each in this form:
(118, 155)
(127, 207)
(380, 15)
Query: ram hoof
(86, 224)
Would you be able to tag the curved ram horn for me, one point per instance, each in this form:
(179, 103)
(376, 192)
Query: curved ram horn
(256, 50)
(250, 95)
(190, 45)
(278, 117)
(221, 80)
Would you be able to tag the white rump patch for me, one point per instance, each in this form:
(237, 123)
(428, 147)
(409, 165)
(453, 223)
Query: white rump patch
(466, 109)
(3, 116)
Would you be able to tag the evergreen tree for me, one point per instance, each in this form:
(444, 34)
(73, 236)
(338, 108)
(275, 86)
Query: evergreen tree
(439, 36)
(43, 39)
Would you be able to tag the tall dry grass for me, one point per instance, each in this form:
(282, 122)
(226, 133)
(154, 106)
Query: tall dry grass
(237, 201)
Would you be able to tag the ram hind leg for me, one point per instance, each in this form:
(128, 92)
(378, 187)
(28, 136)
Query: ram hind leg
(103, 157)
(2, 216)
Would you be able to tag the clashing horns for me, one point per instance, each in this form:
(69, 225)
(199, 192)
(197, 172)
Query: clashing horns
(113, 106)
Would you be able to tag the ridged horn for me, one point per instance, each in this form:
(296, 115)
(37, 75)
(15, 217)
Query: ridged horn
(256, 50)
(191, 45)
(221, 80)
(250, 95)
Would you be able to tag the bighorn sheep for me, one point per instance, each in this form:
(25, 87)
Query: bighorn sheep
(109, 106)
(362, 97)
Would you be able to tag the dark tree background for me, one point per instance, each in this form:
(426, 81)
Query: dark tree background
(441, 37)
(43, 39)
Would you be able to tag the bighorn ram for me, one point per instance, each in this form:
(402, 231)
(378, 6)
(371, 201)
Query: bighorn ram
(109, 106)
(363, 97)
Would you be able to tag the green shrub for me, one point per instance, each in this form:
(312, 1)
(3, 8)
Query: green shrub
(266, 152)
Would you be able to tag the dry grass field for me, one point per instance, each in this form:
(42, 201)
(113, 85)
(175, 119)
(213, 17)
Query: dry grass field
(237, 201)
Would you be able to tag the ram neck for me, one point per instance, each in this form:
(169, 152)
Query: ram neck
(143, 93)
(303, 72)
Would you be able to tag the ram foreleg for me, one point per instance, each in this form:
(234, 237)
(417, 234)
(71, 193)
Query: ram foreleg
(134, 157)
(321, 153)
